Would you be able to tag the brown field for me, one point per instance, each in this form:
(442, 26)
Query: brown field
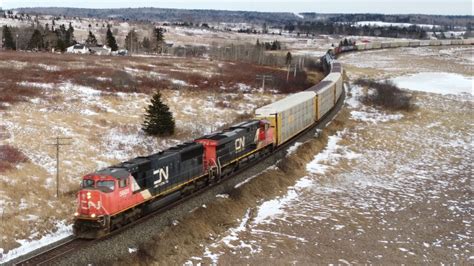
(99, 103)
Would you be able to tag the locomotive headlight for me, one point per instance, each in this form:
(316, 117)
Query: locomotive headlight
(93, 215)
(76, 214)
(88, 195)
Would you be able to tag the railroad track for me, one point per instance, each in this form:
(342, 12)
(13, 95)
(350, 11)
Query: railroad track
(64, 247)
(57, 251)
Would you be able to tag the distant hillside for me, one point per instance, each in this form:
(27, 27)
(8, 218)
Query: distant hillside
(164, 14)
(222, 16)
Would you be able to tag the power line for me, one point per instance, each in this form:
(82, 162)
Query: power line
(57, 144)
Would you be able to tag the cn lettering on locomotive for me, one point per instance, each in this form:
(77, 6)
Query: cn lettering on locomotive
(163, 175)
(239, 144)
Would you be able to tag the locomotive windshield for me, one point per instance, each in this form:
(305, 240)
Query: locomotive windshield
(87, 183)
(106, 186)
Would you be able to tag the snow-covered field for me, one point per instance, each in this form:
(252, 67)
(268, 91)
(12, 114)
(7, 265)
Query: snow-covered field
(104, 127)
(394, 24)
(435, 82)
(390, 188)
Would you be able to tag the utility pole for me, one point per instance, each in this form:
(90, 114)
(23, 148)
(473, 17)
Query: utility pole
(263, 78)
(288, 73)
(57, 144)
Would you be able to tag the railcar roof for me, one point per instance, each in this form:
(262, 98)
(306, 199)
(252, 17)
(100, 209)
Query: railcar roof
(319, 86)
(285, 103)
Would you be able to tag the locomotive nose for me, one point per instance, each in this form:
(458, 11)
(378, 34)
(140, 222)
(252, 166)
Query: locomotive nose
(89, 203)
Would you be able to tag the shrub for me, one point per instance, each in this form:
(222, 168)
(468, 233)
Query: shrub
(386, 95)
(10, 157)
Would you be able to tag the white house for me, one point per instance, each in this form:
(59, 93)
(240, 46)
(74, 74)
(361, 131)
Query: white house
(78, 49)
(100, 50)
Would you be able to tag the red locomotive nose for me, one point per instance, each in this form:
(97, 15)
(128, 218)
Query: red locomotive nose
(90, 203)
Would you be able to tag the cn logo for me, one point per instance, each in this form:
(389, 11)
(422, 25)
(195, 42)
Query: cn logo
(91, 204)
(163, 174)
(239, 144)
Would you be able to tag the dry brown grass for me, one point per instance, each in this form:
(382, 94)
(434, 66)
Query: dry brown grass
(12, 93)
(199, 74)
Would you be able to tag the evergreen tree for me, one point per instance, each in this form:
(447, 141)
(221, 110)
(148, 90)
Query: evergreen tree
(69, 36)
(146, 44)
(159, 39)
(159, 120)
(111, 42)
(91, 40)
(36, 41)
(8, 42)
(131, 41)
(60, 45)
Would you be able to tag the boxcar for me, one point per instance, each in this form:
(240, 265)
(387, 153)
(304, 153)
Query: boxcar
(290, 115)
(376, 45)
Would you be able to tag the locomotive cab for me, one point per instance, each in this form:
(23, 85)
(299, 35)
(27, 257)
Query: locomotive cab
(102, 195)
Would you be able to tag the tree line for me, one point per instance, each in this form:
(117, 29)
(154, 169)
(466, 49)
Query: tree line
(329, 28)
(49, 38)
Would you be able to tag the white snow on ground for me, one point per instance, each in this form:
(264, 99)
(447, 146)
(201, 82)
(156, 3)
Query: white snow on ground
(63, 231)
(233, 232)
(103, 79)
(387, 24)
(266, 212)
(330, 155)
(374, 116)
(293, 148)
(49, 67)
(71, 91)
(179, 82)
(37, 85)
(436, 82)
(273, 208)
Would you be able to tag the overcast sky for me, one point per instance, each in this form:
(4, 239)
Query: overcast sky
(443, 7)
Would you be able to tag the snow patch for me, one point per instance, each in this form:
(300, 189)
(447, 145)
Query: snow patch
(330, 155)
(26, 245)
(293, 148)
(49, 68)
(374, 117)
(273, 208)
(436, 82)
(36, 85)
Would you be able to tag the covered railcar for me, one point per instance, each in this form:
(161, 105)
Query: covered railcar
(290, 115)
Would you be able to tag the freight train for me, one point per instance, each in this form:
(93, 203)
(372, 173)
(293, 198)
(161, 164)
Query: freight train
(411, 43)
(117, 195)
